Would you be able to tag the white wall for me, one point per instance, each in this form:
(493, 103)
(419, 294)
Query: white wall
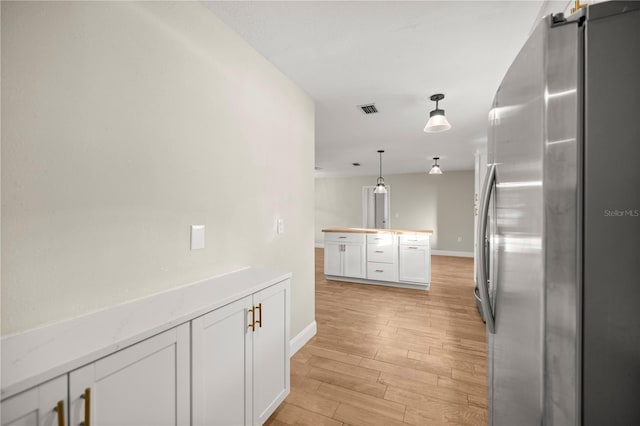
(442, 203)
(124, 124)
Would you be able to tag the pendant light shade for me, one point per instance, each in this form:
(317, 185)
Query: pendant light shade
(435, 169)
(437, 121)
(380, 187)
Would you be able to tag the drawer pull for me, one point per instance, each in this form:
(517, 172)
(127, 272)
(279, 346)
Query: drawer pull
(60, 410)
(342, 237)
(379, 251)
(415, 248)
(87, 407)
(259, 307)
(379, 270)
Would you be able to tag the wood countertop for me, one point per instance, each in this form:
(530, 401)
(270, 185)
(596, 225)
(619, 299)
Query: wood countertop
(379, 231)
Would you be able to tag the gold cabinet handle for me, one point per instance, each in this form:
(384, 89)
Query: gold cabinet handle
(259, 308)
(60, 410)
(343, 237)
(415, 248)
(87, 407)
(253, 319)
(379, 270)
(379, 251)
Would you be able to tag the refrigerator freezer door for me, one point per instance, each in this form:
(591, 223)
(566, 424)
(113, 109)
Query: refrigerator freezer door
(611, 342)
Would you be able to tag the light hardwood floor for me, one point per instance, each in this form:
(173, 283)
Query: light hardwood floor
(390, 356)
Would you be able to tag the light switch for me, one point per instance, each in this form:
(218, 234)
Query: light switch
(197, 237)
(280, 225)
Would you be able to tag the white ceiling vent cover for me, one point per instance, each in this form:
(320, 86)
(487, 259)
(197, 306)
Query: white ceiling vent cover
(368, 108)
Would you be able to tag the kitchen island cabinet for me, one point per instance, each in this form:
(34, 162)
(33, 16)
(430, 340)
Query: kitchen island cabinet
(394, 257)
(345, 255)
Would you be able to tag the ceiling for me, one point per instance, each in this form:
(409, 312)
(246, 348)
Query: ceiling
(394, 54)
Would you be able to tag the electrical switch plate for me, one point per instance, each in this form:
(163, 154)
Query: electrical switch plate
(197, 237)
(280, 226)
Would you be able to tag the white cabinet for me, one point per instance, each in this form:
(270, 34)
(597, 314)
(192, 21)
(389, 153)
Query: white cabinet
(415, 259)
(241, 359)
(217, 350)
(38, 406)
(147, 383)
(222, 350)
(397, 258)
(344, 255)
(382, 257)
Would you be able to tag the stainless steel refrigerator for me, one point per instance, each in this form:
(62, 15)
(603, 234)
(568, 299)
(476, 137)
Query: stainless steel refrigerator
(559, 270)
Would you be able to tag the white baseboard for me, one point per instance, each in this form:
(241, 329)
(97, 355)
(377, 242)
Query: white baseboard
(452, 253)
(319, 245)
(303, 337)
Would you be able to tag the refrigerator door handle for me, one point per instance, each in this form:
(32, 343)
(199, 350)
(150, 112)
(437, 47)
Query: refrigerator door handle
(480, 254)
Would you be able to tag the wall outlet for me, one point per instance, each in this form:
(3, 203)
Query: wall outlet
(459, 239)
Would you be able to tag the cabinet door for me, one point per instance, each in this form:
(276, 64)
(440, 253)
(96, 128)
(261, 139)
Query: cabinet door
(332, 258)
(415, 264)
(354, 260)
(37, 406)
(221, 353)
(271, 351)
(144, 384)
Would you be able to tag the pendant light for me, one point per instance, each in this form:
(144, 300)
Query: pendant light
(380, 188)
(437, 121)
(435, 170)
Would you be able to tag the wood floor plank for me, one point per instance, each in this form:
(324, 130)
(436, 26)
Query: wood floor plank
(433, 412)
(312, 349)
(312, 401)
(362, 417)
(401, 371)
(347, 381)
(342, 368)
(391, 356)
(376, 406)
(296, 416)
(408, 393)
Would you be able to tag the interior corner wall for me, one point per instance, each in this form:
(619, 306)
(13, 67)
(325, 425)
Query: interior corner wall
(442, 203)
(123, 124)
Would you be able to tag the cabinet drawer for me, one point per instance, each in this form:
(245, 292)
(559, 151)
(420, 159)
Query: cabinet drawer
(415, 239)
(382, 271)
(344, 237)
(381, 253)
(380, 239)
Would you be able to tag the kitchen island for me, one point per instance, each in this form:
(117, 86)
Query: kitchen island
(392, 257)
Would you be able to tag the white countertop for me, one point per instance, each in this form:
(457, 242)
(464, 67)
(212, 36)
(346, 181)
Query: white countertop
(380, 231)
(35, 356)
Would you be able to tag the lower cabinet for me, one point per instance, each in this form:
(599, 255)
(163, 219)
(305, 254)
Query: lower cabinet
(241, 359)
(227, 367)
(38, 406)
(345, 255)
(144, 384)
(415, 263)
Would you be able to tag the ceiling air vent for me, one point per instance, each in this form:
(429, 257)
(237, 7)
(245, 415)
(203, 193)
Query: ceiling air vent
(369, 108)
